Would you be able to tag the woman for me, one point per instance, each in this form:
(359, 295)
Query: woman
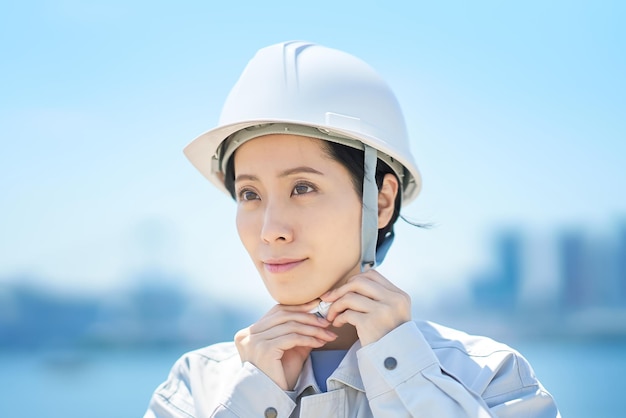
(312, 146)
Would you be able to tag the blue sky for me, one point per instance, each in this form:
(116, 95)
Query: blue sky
(515, 110)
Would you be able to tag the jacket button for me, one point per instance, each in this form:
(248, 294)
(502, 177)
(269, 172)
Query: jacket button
(390, 363)
(271, 412)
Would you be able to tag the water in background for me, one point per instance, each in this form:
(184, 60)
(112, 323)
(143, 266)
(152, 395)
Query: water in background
(585, 377)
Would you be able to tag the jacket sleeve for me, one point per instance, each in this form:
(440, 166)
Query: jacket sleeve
(189, 395)
(403, 376)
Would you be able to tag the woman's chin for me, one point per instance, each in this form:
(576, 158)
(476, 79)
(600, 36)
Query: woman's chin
(288, 300)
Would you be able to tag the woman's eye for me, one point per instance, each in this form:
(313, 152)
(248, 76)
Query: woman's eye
(303, 189)
(245, 195)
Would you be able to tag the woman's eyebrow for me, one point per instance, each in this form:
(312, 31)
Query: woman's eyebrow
(247, 177)
(299, 170)
(285, 173)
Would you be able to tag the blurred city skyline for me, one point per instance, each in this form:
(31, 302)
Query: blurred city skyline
(583, 295)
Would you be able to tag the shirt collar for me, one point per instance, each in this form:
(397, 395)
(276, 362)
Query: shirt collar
(347, 373)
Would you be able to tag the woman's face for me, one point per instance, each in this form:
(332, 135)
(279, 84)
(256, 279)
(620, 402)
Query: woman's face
(298, 216)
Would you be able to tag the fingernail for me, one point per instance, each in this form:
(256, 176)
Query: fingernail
(323, 321)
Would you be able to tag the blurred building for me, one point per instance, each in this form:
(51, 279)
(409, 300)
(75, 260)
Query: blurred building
(569, 283)
(593, 272)
(498, 288)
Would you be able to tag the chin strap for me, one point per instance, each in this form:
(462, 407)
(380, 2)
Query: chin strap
(384, 247)
(369, 217)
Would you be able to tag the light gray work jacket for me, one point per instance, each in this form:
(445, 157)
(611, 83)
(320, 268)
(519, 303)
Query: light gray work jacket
(419, 369)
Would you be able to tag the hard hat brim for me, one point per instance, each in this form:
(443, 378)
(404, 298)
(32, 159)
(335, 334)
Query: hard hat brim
(202, 152)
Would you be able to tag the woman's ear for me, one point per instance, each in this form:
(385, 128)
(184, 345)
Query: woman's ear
(386, 199)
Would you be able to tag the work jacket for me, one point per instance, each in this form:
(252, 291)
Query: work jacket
(419, 369)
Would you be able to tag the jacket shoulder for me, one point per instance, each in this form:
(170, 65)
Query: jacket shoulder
(444, 338)
(216, 356)
(195, 381)
(215, 353)
(488, 367)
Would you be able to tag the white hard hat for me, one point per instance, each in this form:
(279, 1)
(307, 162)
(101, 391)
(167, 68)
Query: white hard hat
(309, 85)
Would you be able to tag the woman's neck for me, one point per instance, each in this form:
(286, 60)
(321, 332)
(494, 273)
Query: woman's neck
(346, 336)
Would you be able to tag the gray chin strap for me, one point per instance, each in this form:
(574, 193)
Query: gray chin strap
(369, 217)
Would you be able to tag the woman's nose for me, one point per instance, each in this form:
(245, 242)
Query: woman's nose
(277, 226)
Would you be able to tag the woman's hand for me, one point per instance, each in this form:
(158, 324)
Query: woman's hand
(369, 302)
(280, 342)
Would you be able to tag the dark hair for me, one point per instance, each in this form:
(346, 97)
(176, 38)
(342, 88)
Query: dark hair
(352, 159)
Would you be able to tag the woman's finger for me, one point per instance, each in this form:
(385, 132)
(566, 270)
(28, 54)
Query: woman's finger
(362, 285)
(351, 301)
(380, 279)
(292, 327)
(274, 318)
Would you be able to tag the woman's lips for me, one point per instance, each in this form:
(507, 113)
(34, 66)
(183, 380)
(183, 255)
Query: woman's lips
(281, 266)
